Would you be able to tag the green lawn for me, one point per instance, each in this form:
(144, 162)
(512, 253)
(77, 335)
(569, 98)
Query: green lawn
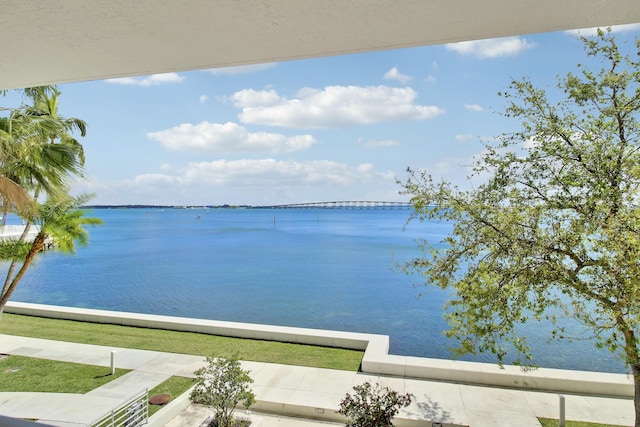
(27, 374)
(546, 422)
(24, 374)
(174, 387)
(180, 342)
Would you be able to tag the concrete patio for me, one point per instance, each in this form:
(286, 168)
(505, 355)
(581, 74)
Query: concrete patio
(294, 395)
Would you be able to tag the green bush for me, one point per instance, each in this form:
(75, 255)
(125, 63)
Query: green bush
(223, 385)
(372, 406)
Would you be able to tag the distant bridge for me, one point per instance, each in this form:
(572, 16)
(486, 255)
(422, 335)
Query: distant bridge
(344, 204)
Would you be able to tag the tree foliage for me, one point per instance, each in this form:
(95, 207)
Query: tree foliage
(554, 230)
(38, 158)
(223, 385)
(372, 406)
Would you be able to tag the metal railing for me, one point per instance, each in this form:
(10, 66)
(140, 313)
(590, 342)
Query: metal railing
(134, 412)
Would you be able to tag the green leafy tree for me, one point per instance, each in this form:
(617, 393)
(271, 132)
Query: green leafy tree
(372, 406)
(554, 230)
(223, 385)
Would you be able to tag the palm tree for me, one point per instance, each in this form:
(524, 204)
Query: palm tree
(61, 220)
(45, 106)
(13, 197)
(39, 153)
(37, 149)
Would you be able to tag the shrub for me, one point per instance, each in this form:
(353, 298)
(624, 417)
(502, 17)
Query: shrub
(223, 385)
(372, 406)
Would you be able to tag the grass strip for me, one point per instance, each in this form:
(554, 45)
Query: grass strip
(550, 422)
(174, 387)
(180, 342)
(28, 374)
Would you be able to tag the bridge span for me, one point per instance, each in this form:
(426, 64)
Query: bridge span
(343, 204)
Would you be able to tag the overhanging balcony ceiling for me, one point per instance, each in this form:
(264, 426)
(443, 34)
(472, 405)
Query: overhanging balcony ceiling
(57, 41)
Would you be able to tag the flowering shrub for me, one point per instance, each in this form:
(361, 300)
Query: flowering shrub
(223, 385)
(372, 406)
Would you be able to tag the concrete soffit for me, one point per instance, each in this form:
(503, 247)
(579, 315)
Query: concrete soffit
(58, 41)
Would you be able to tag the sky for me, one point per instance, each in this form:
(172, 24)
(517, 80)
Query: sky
(324, 129)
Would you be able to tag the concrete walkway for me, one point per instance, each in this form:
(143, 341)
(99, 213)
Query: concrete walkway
(288, 391)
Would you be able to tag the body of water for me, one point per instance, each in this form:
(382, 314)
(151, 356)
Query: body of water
(315, 268)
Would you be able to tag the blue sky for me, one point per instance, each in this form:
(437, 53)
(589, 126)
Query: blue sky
(336, 128)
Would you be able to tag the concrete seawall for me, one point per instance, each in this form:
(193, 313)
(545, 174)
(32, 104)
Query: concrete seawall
(376, 360)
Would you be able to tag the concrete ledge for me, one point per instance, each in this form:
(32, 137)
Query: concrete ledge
(318, 337)
(307, 411)
(543, 379)
(376, 360)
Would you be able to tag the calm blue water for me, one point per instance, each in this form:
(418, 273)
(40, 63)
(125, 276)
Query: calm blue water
(327, 269)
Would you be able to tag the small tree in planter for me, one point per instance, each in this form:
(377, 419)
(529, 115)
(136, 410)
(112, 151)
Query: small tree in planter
(223, 385)
(372, 406)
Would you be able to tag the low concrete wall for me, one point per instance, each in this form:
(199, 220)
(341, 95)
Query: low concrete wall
(318, 337)
(376, 360)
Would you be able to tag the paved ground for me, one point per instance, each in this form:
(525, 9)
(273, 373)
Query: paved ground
(290, 391)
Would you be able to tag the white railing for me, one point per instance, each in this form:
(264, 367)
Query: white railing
(134, 412)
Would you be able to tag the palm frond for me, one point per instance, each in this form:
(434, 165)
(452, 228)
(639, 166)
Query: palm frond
(15, 198)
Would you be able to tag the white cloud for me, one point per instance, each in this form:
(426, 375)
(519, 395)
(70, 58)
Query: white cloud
(152, 80)
(458, 170)
(249, 98)
(203, 99)
(464, 137)
(226, 138)
(450, 169)
(151, 179)
(530, 144)
(474, 107)
(590, 32)
(246, 181)
(378, 143)
(431, 78)
(492, 48)
(271, 172)
(242, 69)
(334, 106)
(394, 74)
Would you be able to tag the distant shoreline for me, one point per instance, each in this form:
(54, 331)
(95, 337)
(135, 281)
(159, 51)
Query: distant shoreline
(352, 204)
(168, 207)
